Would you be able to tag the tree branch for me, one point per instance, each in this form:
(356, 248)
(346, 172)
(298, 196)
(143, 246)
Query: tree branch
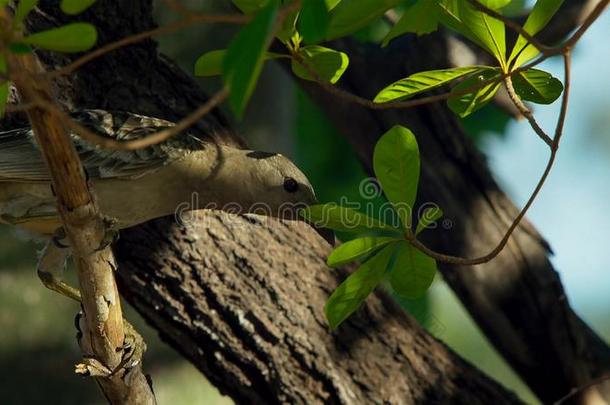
(104, 337)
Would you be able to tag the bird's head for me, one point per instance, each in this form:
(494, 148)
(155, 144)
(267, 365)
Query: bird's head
(277, 187)
(269, 184)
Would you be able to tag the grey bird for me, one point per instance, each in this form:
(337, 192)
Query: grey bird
(133, 187)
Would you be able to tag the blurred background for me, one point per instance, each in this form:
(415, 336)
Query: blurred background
(37, 340)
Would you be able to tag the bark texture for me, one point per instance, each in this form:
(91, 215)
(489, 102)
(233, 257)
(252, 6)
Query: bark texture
(244, 304)
(242, 298)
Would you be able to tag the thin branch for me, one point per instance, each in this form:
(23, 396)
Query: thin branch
(526, 112)
(21, 107)
(567, 68)
(594, 15)
(582, 388)
(132, 39)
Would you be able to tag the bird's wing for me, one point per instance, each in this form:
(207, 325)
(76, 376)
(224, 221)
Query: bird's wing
(21, 160)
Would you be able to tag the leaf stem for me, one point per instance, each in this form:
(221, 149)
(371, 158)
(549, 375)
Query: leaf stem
(526, 112)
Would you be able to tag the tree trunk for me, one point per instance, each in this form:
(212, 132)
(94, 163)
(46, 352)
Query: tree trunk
(243, 299)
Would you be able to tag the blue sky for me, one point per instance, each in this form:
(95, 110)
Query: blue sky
(571, 210)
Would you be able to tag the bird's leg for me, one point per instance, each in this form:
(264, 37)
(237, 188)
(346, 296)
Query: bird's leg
(112, 234)
(50, 271)
(52, 263)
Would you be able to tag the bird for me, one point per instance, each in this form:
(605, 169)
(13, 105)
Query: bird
(135, 186)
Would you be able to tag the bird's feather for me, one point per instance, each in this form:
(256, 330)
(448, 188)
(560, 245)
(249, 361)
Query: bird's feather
(21, 160)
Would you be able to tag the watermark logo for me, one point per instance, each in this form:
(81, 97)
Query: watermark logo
(367, 209)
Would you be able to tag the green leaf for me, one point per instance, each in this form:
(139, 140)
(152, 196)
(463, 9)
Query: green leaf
(351, 15)
(210, 63)
(539, 17)
(344, 219)
(75, 6)
(23, 9)
(289, 27)
(466, 104)
(412, 272)
(428, 217)
(396, 165)
(330, 4)
(250, 6)
(3, 3)
(404, 89)
(420, 18)
(494, 4)
(3, 86)
(357, 248)
(537, 86)
(244, 59)
(477, 26)
(348, 297)
(327, 63)
(75, 37)
(313, 21)
(19, 48)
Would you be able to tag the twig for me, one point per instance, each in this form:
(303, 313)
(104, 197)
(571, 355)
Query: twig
(526, 112)
(132, 39)
(578, 390)
(597, 11)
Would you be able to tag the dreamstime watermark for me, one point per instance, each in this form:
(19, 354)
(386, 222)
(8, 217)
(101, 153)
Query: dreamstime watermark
(367, 213)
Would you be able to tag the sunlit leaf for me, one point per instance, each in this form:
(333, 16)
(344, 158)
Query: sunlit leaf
(244, 59)
(330, 4)
(351, 15)
(396, 165)
(537, 86)
(344, 219)
(313, 21)
(75, 6)
(466, 104)
(210, 63)
(348, 297)
(75, 37)
(404, 89)
(494, 4)
(428, 217)
(357, 248)
(538, 18)
(328, 64)
(479, 27)
(24, 7)
(420, 18)
(412, 272)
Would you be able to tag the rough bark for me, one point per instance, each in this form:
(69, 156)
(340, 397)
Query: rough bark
(242, 298)
(518, 299)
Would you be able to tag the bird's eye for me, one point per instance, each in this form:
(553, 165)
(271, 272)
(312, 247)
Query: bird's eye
(290, 185)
